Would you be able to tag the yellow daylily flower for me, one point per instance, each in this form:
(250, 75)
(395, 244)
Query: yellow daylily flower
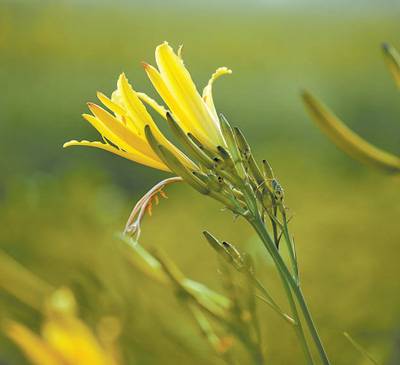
(123, 127)
(65, 339)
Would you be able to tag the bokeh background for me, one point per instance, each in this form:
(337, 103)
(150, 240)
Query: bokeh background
(61, 210)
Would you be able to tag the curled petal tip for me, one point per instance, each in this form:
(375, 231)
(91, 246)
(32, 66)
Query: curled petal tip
(70, 143)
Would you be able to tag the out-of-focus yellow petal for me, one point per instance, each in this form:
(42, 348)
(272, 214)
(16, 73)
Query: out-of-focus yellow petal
(36, 350)
(392, 58)
(108, 331)
(136, 157)
(74, 340)
(68, 335)
(207, 92)
(346, 139)
(66, 340)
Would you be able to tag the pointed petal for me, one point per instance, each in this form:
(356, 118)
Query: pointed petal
(116, 132)
(134, 106)
(32, 345)
(153, 104)
(181, 85)
(392, 58)
(187, 123)
(346, 139)
(136, 156)
(112, 129)
(114, 107)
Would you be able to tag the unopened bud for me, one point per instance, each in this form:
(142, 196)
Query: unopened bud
(237, 259)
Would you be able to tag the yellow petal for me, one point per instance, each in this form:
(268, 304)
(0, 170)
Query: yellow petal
(180, 84)
(134, 106)
(136, 157)
(392, 59)
(141, 117)
(207, 92)
(180, 51)
(153, 104)
(177, 109)
(347, 140)
(74, 340)
(179, 81)
(138, 111)
(114, 107)
(124, 137)
(36, 350)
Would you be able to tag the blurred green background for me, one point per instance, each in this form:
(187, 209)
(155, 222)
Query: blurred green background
(60, 210)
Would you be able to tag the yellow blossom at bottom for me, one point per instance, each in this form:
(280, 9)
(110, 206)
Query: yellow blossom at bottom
(64, 338)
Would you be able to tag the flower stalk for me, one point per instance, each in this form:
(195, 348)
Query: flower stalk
(216, 161)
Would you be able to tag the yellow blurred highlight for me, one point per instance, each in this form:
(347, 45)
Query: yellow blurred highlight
(65, 339)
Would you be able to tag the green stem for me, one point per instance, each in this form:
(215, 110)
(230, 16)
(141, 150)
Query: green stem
(292, 282)
(287, 279)
(271, 248)
(311, 326)
(290, 246)
(270, 301)
(298, 327)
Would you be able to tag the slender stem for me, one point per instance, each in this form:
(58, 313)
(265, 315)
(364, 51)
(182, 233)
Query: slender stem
(286, 317)
(289, 244)
(311, 325)
(284, 275)
(270, 301)
(299, 327)
(287, 278)
(271, 248)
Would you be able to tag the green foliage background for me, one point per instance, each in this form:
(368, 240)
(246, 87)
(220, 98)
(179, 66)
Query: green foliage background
(60, 210)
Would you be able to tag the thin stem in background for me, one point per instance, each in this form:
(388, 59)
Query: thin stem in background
(282, 268)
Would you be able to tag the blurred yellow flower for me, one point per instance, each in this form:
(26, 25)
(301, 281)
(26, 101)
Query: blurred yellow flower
(392, 59)
(349, 141)
(65, 339)
(346, 139)
(123, 127)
